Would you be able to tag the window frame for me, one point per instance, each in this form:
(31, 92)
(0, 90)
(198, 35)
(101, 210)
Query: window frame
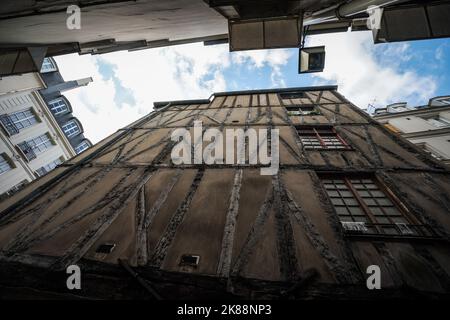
(26, 118)
(419, 229)
(50, 61)
(81, 143)
(5, 160)
(14, 189)
(49, 167)
(314, 112)
(64, 102)
(47, 143)
(427, 148)
(292, 95)
(437, 121)
(316, 135)
(72, 134)
(31, 148)
(13, 127)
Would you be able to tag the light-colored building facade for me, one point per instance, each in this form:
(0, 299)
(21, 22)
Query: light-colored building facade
(37, 129)
(31, 141)
(426, 126)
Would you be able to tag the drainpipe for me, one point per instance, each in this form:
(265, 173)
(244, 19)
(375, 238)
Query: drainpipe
(346, 10)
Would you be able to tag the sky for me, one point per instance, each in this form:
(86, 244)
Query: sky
(125, 84)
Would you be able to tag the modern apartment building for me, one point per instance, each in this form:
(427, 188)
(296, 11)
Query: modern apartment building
(36, 135)
(349, 195)
(426, 126)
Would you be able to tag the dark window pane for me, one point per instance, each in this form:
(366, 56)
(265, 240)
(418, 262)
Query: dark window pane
(356, 211)
(333, 193)
(337, 201)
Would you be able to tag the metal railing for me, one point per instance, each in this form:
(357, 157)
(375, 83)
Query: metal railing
(27, 151)
(8, 124)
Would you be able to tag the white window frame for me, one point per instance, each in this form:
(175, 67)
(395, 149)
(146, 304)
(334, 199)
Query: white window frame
(48, 167)
(5, 164)
(28, 119)
(68, 130)
(48, 66)
(438, 121)
(82, 144)
(58, 106)
(44, 141)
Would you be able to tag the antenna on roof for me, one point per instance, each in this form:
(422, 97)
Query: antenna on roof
(371, 106)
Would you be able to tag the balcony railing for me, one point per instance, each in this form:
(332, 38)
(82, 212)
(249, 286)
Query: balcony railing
(41, 171)
(27, 151)
(8, 124)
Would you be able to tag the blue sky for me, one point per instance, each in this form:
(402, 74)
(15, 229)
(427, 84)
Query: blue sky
(127, 83)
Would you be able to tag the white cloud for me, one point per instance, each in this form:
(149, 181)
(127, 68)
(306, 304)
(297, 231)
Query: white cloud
(179, 72)
(274, 59)
(366, 74)
(153, 75)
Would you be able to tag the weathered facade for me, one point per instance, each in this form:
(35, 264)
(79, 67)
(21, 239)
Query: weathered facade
(349, 194)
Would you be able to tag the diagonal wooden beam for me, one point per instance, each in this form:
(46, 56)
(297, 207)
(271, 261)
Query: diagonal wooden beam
(224, 265)
(254, 235)
(79, 248)
(287, 256)
(167, 237)
(146, 219)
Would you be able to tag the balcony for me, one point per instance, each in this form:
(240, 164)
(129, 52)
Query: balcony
(27, 151)
(8, 125)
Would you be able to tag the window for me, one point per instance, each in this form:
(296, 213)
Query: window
(40, 144)
(439, 122)
(14, 122)
(82, 146)
(293, 95)
(48, 167)
(14, 190)
(71, 128)
(430, 150)
(105, 248)
(5, 165)
(303, 110)
(189, 260)
(35, 146)
(321, 138)
(364, 207)
(48, 65)
(58, 106)
(23, 119)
